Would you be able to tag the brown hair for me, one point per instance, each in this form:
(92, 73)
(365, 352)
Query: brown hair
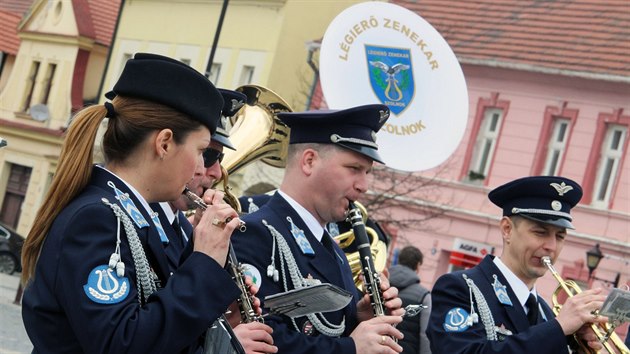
(135, 119)
(411, 257)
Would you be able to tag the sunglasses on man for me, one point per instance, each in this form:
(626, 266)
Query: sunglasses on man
(211, 156)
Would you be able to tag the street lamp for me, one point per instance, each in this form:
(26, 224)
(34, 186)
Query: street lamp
(593, 256)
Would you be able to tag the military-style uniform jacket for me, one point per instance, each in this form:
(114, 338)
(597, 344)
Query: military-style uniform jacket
(255, 248)
(77, 304)
(450, 332)
(176, 245)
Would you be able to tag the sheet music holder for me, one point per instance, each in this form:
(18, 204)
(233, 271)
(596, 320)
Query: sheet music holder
(322, 297)
(617, 306)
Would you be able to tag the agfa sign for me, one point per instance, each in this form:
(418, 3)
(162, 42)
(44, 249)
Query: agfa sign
(377, 52)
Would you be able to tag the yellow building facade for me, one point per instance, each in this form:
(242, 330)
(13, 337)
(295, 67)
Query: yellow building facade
(57, 70)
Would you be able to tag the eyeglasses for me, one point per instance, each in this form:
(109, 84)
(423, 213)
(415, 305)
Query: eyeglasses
(211, 156)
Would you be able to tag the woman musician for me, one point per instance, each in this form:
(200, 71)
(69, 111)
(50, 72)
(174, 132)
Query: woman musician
(96, 276)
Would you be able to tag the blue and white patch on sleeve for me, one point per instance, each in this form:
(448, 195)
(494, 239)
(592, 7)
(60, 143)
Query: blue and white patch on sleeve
(300, 238)
(500, 291)
(129, 206)
(105, 287)
(456, 320)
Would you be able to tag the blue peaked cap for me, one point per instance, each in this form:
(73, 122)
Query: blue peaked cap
(172, 83)
(232, 103)
(354, 128)
(546, 199)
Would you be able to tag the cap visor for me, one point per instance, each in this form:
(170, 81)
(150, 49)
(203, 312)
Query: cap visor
(559, 222)
(223, 141)
(364, 150)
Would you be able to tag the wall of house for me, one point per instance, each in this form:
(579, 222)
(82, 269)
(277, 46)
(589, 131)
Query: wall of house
(468, 213)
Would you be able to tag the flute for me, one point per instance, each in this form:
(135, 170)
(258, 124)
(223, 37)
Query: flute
(203, 206)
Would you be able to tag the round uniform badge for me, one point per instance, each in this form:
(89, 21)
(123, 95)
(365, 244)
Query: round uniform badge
(104, 286)
(252, 272)
(456, 320)
(556, 205)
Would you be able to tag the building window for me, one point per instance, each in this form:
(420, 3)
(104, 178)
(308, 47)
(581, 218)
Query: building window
(30, 86)
(48, 81)
(485, 144)
(556, 146)
(213, 75)
(247, 74)
(608, 166)
(19, 177)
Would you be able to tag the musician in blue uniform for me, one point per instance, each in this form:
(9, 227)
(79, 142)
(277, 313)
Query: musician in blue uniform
(97, 278)
(286, 247)
(254, 337)
(206, 174)
(494, 307)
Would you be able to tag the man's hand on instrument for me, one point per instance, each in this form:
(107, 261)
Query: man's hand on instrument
(212, 234)
(586, 335)
(376, 335)
(255, 337)
(581, 309)
(393, 304)
(233, 314)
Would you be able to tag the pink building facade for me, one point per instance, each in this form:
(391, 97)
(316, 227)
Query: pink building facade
(549, 94)
(521, 124)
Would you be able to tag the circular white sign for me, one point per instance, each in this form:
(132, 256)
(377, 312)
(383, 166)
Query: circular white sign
(376, 52)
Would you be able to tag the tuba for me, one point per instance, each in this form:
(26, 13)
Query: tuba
(257, 132)
(603, 332)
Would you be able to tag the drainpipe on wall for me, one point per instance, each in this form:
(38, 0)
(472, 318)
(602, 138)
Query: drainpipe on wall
(216, 37)
(312, 47)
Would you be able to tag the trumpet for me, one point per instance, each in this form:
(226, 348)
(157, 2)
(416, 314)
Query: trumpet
(571, 288)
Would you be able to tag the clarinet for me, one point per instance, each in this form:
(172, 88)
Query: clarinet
(245, 300)
(220, 338)
(371, 279)
(245, 303)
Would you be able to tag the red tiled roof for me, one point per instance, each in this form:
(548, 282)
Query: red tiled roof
(9, 40)
(588, 38)
(11, 12)
(103, 14)
(95, 19)
(15, 6)
(83, 18)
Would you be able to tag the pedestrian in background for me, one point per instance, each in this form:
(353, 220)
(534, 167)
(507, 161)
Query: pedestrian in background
(404, 276)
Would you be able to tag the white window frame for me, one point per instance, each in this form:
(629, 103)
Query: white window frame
(485, 143)
(215, 72)
(608, 165)
(247, 75)
(556, 146)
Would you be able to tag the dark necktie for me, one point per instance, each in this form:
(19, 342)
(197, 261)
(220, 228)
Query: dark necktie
(327, 243)
(178, 232)
(532, 306)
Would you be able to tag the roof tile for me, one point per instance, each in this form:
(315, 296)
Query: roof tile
(582, 36)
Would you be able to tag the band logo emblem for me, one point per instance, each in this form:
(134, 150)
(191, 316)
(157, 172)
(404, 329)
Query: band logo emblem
(391, 76)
